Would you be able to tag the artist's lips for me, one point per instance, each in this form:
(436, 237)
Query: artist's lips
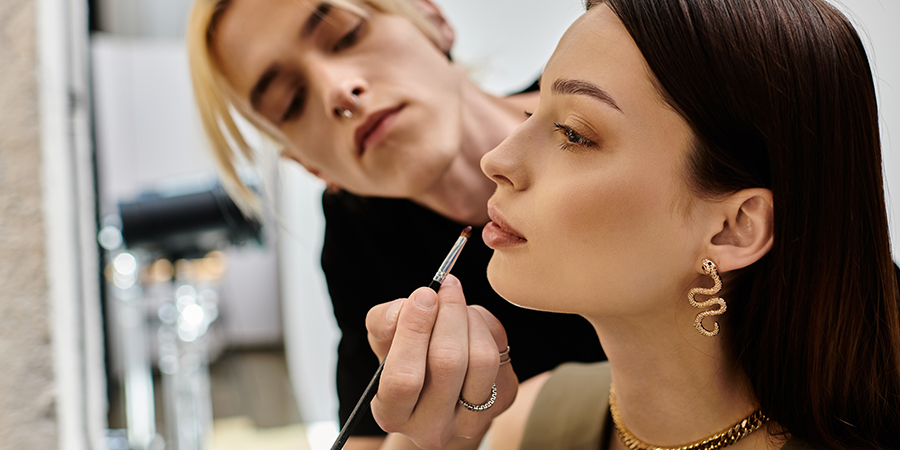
(498, 233)
(374, 128)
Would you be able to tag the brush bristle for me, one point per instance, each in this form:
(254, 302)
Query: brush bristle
(467, 232)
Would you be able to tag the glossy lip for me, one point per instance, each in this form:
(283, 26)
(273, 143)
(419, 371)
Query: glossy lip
(370, 125)
(501, 222)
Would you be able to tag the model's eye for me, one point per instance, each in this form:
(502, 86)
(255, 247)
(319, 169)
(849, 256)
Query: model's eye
(572, 138)
(351, 38)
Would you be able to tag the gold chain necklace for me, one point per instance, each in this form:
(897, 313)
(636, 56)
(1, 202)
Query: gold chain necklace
(724, 438)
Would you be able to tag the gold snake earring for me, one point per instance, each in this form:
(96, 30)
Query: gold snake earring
(709, 268)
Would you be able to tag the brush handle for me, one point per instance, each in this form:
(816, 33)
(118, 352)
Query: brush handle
(361, 407)
(363, 404)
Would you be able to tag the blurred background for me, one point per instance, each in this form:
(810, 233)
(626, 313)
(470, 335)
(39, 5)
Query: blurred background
(154, 315)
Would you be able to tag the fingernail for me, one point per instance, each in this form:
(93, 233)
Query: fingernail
(450, 281)
(390, 316)
(426, 299)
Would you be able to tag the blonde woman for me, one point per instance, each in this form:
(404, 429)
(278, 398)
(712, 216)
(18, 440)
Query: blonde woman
(702, 181)
(364, 95)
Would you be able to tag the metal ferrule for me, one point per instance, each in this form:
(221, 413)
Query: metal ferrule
(444, 270)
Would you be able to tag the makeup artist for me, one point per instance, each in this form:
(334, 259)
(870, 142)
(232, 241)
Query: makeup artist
(718, 216)
(365, 96)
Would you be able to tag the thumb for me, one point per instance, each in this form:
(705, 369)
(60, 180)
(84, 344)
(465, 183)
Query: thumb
(381, 324)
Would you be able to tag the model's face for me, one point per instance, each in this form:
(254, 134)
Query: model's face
(299, 62)
(592, 204)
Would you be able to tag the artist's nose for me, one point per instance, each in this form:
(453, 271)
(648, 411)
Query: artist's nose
(507, 164)
(344, 92)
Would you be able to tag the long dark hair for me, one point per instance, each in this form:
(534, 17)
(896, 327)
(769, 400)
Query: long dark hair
(780, 95)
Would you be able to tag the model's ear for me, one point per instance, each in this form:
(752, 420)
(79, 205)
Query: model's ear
(435, 17)
(746, 231)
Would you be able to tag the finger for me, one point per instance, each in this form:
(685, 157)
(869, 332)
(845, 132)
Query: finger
(404, 370)
(381, 323)
(484, 360)
(495, 327)
(500, 338)
(448, 354)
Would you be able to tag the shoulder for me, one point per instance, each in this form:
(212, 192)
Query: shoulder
(343, 203)
(507, 429)
(565, 408)
(350, 213)
(355, 220)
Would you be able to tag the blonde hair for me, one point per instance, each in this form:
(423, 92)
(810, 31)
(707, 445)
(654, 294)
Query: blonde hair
(217, 102)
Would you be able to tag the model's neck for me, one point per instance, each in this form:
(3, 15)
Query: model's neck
(462, 191)
(674, 386)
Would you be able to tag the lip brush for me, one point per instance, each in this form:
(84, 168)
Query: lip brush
(363, 404)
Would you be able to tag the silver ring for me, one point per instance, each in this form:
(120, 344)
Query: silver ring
(483, 406)
(506, 354)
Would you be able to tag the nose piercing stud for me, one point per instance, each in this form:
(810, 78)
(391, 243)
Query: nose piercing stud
(346, 112)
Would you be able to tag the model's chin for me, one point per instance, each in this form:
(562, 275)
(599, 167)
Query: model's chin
(512, 286)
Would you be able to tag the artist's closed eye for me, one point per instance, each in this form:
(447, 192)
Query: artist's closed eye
(351, 38)
(295, 108)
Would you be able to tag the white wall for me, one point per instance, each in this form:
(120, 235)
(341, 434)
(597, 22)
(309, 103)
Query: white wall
(74, 322)
(877, 22)
(506, 43)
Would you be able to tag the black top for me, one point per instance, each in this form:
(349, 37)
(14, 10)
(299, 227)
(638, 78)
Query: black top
(377, 250)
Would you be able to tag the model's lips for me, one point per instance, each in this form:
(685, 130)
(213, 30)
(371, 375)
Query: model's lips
(498, 233)
(374, 128)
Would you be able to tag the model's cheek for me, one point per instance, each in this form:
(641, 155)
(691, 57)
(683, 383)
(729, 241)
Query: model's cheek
(599, 211)
(603, 230)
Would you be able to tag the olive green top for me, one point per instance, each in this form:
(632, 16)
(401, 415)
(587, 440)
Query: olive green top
(572, 411)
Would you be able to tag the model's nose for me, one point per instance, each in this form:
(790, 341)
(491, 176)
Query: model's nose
(507, 164)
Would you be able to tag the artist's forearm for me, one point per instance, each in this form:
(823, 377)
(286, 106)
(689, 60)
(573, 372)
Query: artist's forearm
(364, 443)
(397, 441)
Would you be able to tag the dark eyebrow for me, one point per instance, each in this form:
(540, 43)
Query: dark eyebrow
(577, 87)
(315, 19)
(260, 88)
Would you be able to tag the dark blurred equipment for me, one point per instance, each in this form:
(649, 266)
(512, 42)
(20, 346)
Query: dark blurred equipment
(185, 225)
(165, 267)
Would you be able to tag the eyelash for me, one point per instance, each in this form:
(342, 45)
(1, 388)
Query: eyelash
(346, 41)
(350, 38)
(573, 139)
(295, 106)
